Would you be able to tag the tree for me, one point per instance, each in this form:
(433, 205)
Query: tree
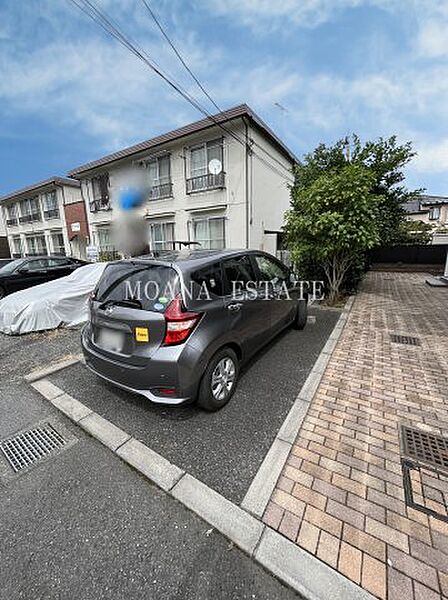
(415, 232)
(386, 159)
(333, 216)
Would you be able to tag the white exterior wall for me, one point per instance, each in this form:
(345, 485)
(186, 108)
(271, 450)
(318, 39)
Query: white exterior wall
(44, 227)
(270, 197)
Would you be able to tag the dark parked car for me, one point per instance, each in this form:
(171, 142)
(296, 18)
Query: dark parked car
(22, 273)
(5, 261)
(174, 343)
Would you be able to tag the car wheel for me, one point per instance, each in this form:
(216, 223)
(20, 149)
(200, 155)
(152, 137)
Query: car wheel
(2, 292)
(301, 315)
(219, 380)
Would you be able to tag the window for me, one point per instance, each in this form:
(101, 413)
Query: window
(125, 281)
(434, 213)
(29, 210)
(36, 244)
(239, 272)
(200, 156)
(271, 270)
(210, 278)
(100, 192)
(11, 214)
(57, 241)
(104, 238)
(210, 232)
(35, 265)
(59, 262)
(16, 247)
(161, 236)
(159, 173)
(50, 205)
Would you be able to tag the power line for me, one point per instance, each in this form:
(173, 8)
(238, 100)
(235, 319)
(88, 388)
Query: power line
(194, 77)
(178, 54)
(109, 26)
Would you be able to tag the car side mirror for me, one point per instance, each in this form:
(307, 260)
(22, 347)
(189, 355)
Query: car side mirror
(23, 270)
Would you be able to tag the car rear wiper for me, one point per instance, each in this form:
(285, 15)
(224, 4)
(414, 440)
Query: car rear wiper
(131, 302)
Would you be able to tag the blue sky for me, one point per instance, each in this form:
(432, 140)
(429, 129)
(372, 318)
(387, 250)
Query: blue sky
(69, 94)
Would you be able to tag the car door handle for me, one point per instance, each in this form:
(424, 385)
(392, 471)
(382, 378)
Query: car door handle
(234, 306)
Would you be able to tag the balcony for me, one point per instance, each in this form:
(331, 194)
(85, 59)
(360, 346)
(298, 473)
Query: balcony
(51, 213)
(100, 204)
(30, 218)
(206, 182)
(158, 192)
(11, 222)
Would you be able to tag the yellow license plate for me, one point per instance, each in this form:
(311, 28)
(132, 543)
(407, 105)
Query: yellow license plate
(142, 334)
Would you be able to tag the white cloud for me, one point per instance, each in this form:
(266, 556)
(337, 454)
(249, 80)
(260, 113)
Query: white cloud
(432, 157)
(269, 14)
(433, 39)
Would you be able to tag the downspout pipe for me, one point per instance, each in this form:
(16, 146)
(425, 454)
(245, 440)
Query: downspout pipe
(246, 178)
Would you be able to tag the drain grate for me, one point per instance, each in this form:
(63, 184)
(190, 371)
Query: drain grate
(405, 339)
(425, 489)
(425, 447)
(30, 446)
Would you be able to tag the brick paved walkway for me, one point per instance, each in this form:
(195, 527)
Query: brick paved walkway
(341, 494)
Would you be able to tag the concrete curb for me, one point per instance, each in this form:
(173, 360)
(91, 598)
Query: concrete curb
(53, 368)
(150, 464)
(263, 484)
(307, 575)
(228, 518)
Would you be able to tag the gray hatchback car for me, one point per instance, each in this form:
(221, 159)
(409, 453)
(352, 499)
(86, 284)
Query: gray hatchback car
(177, 326)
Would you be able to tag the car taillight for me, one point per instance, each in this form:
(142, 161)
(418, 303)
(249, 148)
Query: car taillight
(179, 323)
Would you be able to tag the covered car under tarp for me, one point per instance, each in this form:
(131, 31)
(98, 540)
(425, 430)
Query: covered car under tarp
(62, 302)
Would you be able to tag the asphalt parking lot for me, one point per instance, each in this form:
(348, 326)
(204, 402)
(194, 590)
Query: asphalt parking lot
(223, 449)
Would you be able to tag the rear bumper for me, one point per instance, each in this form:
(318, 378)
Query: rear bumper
(177, 367)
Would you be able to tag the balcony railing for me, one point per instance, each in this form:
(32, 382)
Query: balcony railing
(11, 222)
(164, 190)
(209, 181)
(51, 213)
(100, 204)
(30, 218)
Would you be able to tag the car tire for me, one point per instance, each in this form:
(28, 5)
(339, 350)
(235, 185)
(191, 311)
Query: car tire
(2, 292)
(301, 315)
(211, 397)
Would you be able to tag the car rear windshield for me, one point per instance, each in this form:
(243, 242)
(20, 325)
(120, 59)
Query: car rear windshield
(137, 285)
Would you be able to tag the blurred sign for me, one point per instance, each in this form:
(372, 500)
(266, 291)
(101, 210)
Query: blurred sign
(75, 227)
(92, 253)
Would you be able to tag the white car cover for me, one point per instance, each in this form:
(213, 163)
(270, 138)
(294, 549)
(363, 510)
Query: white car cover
(62, 302)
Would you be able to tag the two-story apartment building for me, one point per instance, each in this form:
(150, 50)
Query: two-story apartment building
(221, 181)
(34, 217)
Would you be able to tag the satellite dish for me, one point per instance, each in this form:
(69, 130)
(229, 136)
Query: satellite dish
(215, 166)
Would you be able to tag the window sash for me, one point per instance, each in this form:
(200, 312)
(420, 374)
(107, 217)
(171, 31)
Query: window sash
(202, 154)
(159, 171)
(11, 211)
(210, 232)
(36, 244)
(57, 241)
(434, 213)
(50, 202)
(162, 235)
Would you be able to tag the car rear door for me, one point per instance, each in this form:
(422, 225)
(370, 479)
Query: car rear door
(248, 311)
(276, 278)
